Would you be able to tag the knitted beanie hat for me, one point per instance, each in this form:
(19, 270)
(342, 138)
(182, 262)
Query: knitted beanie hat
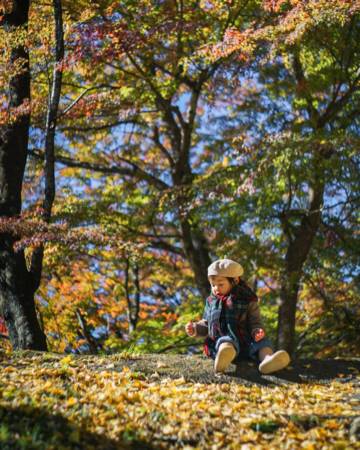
(225, 268)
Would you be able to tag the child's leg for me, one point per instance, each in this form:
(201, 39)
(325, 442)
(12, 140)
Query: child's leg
(225, 355)
(264, 352)
(272, 362)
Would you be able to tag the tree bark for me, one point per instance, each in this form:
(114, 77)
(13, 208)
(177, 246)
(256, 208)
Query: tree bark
(16, 296)
(50, 130)
(287, 310)
(299, 246)
(133, 304)
(197, 253)
(85, 332)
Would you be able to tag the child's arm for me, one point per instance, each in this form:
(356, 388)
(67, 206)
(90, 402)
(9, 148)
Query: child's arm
(256, 326)
(199, 328)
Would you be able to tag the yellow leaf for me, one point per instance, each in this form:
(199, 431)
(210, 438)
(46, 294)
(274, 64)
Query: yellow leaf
(57, 391)
(332, 424)
(341, 445)
(309, 447)
(67, 360)
(168, 429)
(71, 401)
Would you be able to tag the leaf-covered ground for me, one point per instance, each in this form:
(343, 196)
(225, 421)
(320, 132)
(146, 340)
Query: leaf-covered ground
(52, 401)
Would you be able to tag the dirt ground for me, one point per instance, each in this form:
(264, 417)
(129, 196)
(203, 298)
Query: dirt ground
(199, 368)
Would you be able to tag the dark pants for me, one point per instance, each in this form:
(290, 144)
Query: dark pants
(245, 349)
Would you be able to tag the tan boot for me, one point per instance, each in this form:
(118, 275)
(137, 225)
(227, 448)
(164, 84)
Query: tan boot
(274, 362)
(224, 356)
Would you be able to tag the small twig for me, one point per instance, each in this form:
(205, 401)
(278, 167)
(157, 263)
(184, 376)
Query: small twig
(78, 98)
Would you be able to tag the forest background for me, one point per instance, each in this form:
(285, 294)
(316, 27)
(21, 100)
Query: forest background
(142, 140)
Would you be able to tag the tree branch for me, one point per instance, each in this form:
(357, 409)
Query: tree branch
(51, 120)
(86, 333)
(136, 172)
(156, 140)
(164, 105)
(102, 127)
(335, 106)
(302, 84)
(78, 98)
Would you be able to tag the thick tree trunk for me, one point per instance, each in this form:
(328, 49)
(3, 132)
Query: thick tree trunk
(197, 253)
(16, 293)
(17, 300)
(299, 246)
(287, 311)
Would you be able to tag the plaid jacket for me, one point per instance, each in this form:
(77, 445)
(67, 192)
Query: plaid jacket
(236, 314)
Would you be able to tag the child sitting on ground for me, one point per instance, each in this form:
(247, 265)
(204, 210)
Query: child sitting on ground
(232, 324)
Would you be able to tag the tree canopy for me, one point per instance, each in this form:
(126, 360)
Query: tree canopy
(187, 131)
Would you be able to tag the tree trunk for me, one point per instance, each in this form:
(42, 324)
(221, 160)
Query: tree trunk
(299, 246)
(133, 304)
(84, 331)
(287, 311)
(196, 250)
(16, 296)
(50, 130)
(17, 300)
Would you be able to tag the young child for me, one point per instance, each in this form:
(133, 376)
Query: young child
(232, 324)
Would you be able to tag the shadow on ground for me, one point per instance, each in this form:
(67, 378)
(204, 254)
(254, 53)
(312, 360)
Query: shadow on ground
(36, 429)
(302, 371)
(198, 368)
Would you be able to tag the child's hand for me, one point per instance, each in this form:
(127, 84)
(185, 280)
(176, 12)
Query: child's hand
(190, 329)
(258, 334)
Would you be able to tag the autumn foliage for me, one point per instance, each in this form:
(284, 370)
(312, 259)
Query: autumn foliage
(189, 131)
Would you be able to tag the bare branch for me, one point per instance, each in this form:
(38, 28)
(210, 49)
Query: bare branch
(164, 105)
(156, 140)
(136, 171)
(78, 98)
(103, 127)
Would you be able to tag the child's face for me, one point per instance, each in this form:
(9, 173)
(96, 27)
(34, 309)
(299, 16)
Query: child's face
(220, 285)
